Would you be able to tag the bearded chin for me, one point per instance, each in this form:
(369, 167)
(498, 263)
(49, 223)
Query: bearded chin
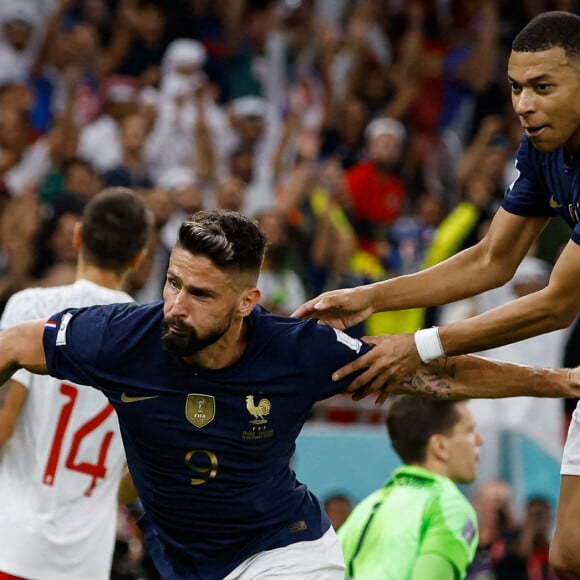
(184, 345)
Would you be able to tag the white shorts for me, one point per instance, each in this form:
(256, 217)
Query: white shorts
(571, 456)
(321, 559)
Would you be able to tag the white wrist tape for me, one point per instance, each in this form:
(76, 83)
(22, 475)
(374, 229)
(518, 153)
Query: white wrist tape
(429, 344)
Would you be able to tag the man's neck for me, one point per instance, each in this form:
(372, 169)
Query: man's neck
(227, 351)
(100, 276)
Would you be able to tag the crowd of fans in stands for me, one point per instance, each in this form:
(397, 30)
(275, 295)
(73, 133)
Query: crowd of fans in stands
(370, 138)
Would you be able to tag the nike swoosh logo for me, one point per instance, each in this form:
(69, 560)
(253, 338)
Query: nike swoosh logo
(127, 399)
(554, 204)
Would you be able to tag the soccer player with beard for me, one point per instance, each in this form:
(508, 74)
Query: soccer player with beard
(211, 392)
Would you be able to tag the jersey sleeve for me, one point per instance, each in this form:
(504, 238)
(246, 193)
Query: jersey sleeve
(87, 345)
(450, 531)
(324, 350)
(72, 341)
(527, 195)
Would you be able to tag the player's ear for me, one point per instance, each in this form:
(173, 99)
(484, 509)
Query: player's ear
(438, 447)
(78, 235)
(249, 298)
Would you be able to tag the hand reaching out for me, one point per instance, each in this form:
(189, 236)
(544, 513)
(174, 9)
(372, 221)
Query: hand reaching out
(339, 308)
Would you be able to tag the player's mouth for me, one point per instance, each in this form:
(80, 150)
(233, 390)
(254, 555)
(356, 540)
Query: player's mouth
(534, 131)
(176, 327)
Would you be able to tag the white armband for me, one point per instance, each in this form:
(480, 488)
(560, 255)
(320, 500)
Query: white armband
(429, 344)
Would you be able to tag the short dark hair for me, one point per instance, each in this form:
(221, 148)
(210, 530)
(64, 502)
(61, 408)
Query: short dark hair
(412, 420)
(115, 228)
(230, 240)
(550, 29)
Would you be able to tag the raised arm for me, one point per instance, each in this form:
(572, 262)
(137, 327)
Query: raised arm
(21, 347)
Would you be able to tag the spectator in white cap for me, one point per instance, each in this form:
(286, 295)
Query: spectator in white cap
(248, 116)
(20, 36)
(187, 197)
(100, 141)
(189, 124)
(377, 192)
(386, 126)
(256, 128)
(182, 68)
(256, 124)
(183, 56)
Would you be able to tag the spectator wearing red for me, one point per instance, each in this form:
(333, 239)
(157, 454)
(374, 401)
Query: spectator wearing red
(377, 192)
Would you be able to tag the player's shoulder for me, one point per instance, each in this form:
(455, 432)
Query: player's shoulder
(267, 322)
(304, 340)
(118, 311)
(119, 319)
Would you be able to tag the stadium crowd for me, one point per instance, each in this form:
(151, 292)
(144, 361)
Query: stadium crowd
(369, 138)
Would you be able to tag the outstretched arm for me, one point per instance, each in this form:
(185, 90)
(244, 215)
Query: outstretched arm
(475, 377)
(21, 347)
(549, 309)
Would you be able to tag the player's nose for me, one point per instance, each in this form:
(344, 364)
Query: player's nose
(524, 103)
(176, 306)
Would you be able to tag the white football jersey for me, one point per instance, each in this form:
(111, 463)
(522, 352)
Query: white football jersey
(60, 471)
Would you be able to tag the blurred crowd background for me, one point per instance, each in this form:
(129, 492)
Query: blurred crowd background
(370, 138)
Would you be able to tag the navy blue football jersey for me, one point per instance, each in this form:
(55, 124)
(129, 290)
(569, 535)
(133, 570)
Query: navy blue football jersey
(209, 450)
(547, 185)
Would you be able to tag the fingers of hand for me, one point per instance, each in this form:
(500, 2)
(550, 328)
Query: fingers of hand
(383, 395)
(361, 393)
(374, 384)
(304, 311)
(356, 365)
(363, 384)
(376, 361)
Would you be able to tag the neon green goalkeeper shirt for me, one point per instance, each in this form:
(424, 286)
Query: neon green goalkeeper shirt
(417, 513)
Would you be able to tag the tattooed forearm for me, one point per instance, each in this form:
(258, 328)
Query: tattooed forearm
(433, 382)
(427, 385)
